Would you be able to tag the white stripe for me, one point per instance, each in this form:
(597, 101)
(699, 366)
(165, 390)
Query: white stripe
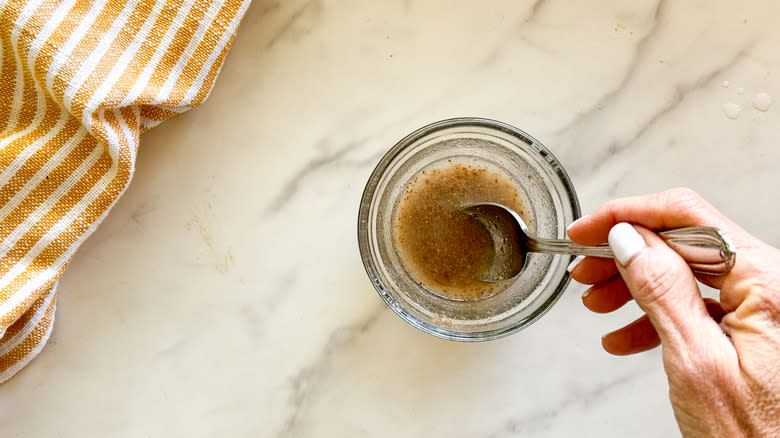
(40, 110)
(136, 129)
(51, 271)
(113, 137)
(25, 154)
(33, 218)
(16, 29)
(130, 139)
(48, 28)
(88, 65)
(223, 41)
(76, 36)
(34, 320)
(137, 115)
(39, 176)
(13, 369)
(162, 48)
(186, 55)
(27, 12)
(122, 63)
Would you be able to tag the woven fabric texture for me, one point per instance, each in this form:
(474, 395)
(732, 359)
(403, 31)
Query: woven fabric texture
(79, 82)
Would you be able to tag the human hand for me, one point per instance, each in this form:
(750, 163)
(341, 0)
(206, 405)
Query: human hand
(721, 357)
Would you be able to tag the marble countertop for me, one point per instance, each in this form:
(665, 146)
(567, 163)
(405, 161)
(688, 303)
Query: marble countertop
(225, 296)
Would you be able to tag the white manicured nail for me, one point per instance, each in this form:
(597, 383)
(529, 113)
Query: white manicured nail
(575, 262)
(625, 242)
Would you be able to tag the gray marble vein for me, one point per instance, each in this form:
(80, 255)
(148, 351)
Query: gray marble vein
(291, 187)
(532, 423)
(597, 160)
(628, 76)
(535, 10)
(298, 24)
(304, 383)
(268, 8)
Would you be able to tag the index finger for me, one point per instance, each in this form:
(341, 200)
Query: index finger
(660, 211)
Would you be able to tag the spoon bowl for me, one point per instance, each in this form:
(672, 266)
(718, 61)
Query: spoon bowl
(509, 234)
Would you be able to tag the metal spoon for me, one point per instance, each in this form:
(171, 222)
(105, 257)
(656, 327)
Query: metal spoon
(706, 249)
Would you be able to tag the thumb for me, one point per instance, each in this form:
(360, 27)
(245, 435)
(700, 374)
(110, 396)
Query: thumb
(664, 287)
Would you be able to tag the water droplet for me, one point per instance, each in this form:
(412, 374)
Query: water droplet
(725, 84)
(740, 90)
(732, 110)
(762, 102)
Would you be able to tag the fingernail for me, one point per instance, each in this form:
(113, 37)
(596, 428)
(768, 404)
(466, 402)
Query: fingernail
(586, 293)
(726, 329)
(625, 242)
(575, 262)
(572, 224)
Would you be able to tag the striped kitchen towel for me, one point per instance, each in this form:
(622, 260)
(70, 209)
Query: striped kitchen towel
(80, 80)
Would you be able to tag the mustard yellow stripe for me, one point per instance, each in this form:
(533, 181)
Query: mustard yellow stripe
(41, 192)
(20, 310)
(8, 73)
(207, 44)
(30, 95)
(145, 53)
(168, 61)
(83, 49)
(131, 148)
(58, 38)
(67, 202)
(19, 324)
(97, 207)
(113, 123)
(118, 45)
(36, 161)
(157, 113)
(57, 212)
(33, 235)
(38, 294)
(201, 95)
(67, 238)
(13, 149)
(132, 124)
(36, 336)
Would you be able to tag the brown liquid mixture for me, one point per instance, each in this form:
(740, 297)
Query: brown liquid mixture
(443, 248)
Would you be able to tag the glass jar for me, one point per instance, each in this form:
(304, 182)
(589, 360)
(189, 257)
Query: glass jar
(547, 191)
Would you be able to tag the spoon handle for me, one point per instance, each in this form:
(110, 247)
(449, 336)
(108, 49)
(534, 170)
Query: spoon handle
(706, 249)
